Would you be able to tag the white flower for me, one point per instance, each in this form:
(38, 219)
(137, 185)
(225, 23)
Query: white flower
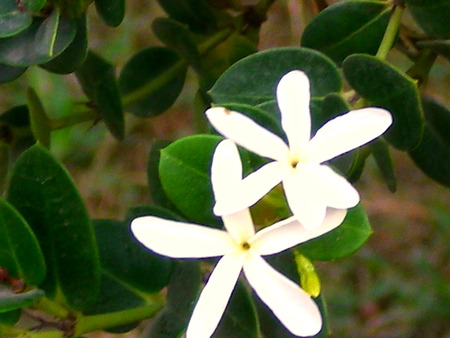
(241, 249)
(310, 187)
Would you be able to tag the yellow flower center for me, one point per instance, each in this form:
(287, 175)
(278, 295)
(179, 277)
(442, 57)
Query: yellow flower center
(245, 246)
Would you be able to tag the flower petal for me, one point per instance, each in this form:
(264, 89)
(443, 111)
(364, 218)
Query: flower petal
(292, 305)
(226, 171)
(181, 240)
(337, 191)
(247, 133)
(289, 232)
(293, 97)
(304, 196)
(347, 132)
(239, 225)
(253, 188)
(215, 296)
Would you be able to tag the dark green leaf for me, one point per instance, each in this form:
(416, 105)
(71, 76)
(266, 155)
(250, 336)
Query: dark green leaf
(385, 86)
(39, 121)
(245, 83)
(342, 241)
(12, 19)
(111, 11)
(157, 193)
(197, 14)
(439, 46)
(11, 301)
(380, 151)
(432, 16)
(34, 5)
(240, 319)
(5, 157)
(175, 36)
(26, 49)
(20, 253)
(43, 192)
(74, 55)
(151, 81)
(184, 169)
(98, 81)
(182, 294)
(151, 210)
(10, 318)
(9, 73)
(125, 259)
(432, 155)
(358, 27)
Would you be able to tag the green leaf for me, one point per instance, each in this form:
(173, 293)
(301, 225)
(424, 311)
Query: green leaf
(439, 46)
(342, 241)
(380, 151)
(240, 318)
(245, 83)
(11, 301)
(151, 81)
(20, 253)
(27, 48)
(74, 55)
(34, 5)
(9, 73)
(184, 169)
(5, 158)
(125, 259)
(385, 86)
(43, 192)
(432, 16)
(98, 81)
(111, 11)
(182, 294)
(39, 121)
(357, 27)
(432, 155)
(12, 19)
(157, 193)
(10, 318)
(175, 36)
(197, 14)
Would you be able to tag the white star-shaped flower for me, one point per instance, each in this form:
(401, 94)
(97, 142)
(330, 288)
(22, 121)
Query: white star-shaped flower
(310, 186)
(241, 249)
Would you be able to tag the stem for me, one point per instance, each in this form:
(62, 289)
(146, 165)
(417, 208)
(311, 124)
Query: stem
(51, 308)
(71, 120)
(108, 320)
(12, 331)
(172, 72)
(391, 32)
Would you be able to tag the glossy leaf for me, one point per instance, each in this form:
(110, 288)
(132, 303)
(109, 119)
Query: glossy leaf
(12, 19)
(27, 48)
(184, 169)
(39, 121)
(111, 11)
(432, 155)
(151, 81)
(20, 252)
(98, 81)
(245, 83)
(441, 47)
(126, 260)
(175, 36)
(357, 27)
(11, 301)
(197, 14)
(432, 16)
(240, 319)
(74, 55)
(182, 294)
(342, 241)
(43, 192)
(385, 86)
(9, 73)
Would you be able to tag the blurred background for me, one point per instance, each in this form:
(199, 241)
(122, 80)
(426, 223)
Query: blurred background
(397, 285)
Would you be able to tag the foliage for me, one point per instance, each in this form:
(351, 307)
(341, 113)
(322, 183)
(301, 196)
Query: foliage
(87, 275)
